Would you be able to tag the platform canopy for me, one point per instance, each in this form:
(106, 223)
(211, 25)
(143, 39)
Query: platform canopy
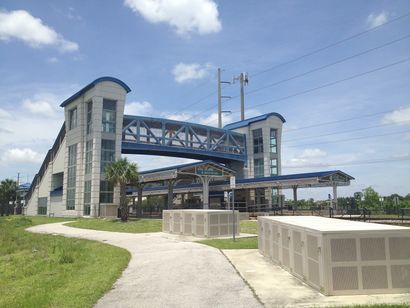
(200, 169)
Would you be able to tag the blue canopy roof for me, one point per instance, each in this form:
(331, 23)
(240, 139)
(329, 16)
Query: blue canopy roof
(253, 120)
(91, 85)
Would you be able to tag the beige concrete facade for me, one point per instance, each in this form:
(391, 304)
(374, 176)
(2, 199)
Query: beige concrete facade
(56, 172)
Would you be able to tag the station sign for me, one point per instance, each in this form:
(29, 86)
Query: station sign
(208, 171)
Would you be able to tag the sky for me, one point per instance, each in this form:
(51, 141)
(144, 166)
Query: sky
(338, 71)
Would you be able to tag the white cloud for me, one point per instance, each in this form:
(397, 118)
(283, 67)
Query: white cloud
(399, 116)
(139, 108)
(407, 136)
(4, 114)
(178, 116)
(185, 16)
(22, 25)
(312, 153)
(40, 107)
(184, 72)
(25, 155)
(375, 20)
(52, 60)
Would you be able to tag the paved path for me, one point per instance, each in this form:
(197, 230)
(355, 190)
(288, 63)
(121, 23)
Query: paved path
(278, 288)
(165, 271)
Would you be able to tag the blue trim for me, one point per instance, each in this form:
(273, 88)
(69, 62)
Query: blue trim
(138, 148)
(184, 166)
(249, 121)
(93, 84)
(168, 121)
(297, 176)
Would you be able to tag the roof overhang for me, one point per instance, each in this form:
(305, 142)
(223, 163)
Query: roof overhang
(93, 84)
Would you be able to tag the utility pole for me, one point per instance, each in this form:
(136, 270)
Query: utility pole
(220, 97)
(243, 80)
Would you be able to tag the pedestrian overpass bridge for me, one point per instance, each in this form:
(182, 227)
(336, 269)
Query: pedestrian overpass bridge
(159, 136)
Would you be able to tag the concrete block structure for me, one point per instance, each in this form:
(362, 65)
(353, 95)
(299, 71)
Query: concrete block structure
(201, 223)
(339, 257)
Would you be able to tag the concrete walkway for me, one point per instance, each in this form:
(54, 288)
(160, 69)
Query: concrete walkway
(165, 271)
(278, 288)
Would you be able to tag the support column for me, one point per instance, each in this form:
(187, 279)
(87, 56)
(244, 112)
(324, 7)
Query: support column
(205, 191)
(139, 201)
(170, 194)
(295, 192)
(334, 196)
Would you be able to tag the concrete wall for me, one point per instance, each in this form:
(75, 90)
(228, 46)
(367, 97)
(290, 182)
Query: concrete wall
(57, 204)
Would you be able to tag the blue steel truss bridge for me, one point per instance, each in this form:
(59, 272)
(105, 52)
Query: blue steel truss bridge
(158, 136)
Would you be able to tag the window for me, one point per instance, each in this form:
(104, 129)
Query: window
(89, 117)
(72, 118)
(107, 153)
(273, 139)
(87, 198)
(274, 166)
(106, 192)
(42, 206)
(257, 141)
(71, 176)
(258, 167)
(88, 156)
(108, 116)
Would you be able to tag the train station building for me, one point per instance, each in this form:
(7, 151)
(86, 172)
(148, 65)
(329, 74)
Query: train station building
(71, 180)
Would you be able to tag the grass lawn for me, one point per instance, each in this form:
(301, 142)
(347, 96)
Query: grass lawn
(240, 243)
(249, 226)
(131, 226)
(39, 270)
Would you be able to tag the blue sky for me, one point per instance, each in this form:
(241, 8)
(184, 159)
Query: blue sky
(168, 53)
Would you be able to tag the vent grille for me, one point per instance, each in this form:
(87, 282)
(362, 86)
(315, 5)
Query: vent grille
(200, 230)
(400, 275)
(343, 249)
(312, 247)
(275, 252)
(298, 262)
(213, 219)
(213, 231)
(297, 241)
(285, 257)
(399, 248)
(372, 249)
(374, 277)
(200, 219)
(275, 233)
(313, 272)
(345, 278)
(285, 239)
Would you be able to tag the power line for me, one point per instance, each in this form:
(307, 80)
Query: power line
(323, 86)
(360, 162)
(330, 45)
(347, 131)
(327, 65)
(339, 121)
(329, 84)
(348, 139)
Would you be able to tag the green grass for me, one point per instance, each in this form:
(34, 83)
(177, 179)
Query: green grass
(116, 225)
(249, 226)
(53, 271)
(240, 243)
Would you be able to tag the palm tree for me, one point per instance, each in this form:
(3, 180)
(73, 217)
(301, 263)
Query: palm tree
(8, 190)
(121, 173)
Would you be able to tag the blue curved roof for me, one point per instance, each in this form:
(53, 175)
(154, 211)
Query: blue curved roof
(91, 85)
(253, 120)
